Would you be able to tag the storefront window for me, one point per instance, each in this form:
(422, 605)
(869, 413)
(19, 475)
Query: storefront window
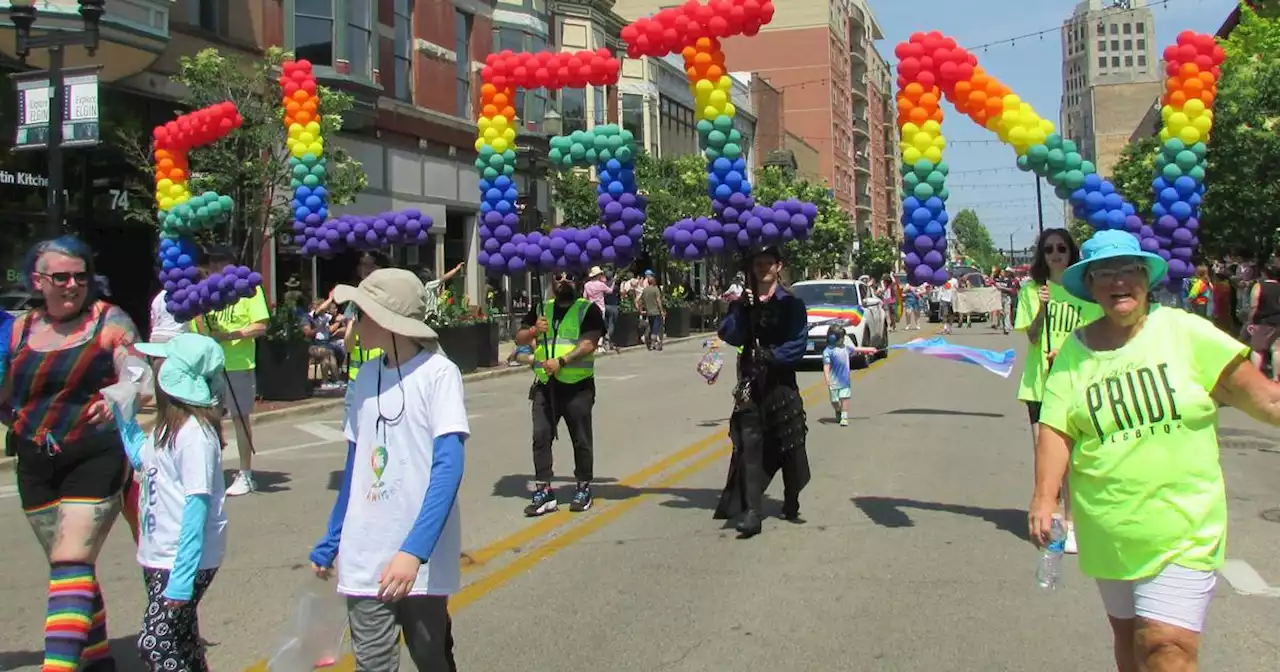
(599, 104)
(313, 31)
(404, 49)
(573, 109)
(462, 23)
(359, 38)
(633, 116)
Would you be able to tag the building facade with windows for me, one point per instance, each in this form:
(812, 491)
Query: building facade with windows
(885, 187)
(1111, 72)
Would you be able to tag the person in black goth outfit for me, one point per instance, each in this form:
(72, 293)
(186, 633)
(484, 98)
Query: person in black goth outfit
(767, 426)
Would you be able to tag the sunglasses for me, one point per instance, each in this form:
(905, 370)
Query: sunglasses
(64, 279)
(1060, 249)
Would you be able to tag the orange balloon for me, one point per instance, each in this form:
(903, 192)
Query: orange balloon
(489, 111)
(509, 112)
(1177, 98)
(178, 175)
(980, 118)
(715, 72)
(1208, 79)
(1188, 69)
(1207, 96)
(311, 105)
(995, 107)
(918, 115)
(1193, 87)
(488, 89)
(500, 99)
(995, 89)
(979, 79)
(963, 89)
(929, 99)
(912, 91)
(703, 44)
(301, 95)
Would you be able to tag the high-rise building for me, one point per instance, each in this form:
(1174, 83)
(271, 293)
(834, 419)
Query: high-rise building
(819, 55)
(1110, 74)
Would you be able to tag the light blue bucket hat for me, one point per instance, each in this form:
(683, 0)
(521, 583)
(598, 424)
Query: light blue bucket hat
(191, 369)
(1111, 244)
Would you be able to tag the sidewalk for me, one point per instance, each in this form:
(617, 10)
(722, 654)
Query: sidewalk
(278, 411)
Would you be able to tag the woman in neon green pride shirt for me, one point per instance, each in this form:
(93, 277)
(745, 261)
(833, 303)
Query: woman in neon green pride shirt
(1130, 415)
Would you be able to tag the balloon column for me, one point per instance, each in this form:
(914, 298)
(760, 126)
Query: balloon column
(315, 232)
(506, 250)
(694, 30)
(931, 66)
(1193, 68)
(183, 214)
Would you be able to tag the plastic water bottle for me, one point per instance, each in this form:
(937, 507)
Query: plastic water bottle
(1049, 570)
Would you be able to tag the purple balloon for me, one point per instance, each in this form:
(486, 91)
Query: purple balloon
(496, 262)
(692, 252)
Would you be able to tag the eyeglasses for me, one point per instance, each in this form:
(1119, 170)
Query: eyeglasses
(1116, 272)
(63, 278)
(1060, 249)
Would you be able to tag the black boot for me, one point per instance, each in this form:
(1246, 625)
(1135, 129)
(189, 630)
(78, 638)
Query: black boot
(791, 511)
(749, 525)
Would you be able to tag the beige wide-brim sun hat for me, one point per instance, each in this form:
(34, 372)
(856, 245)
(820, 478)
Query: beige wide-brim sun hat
(392, 297)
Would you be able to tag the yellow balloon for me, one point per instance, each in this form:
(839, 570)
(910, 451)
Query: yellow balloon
(479, 143)
(1011, 102)
(922, 141)
(483, 124)
(500, 122)
(703, 86)
(940, 142)
(933, 154)
(725, 83)
(909, 130)
(1189, 135)
(316, 147)
(1036, 136)
(1202, 124)
(1194, 108)
(1166, 111)
(1165, 135)
(1017, 136)
(1178, 121)
(993, 124)
(165, 202)
(499, 145)
(177, 190)
(509, 135)
(931, 127)
(164, 184)
(490, 134)
(296, 128)
(313, 128)
(719, 98)
(730, 110)
(306, 138)
(710, 112)
(1048, 127)
(910, 155)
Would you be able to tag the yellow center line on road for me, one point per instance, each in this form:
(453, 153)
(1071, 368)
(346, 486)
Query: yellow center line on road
(718, 449)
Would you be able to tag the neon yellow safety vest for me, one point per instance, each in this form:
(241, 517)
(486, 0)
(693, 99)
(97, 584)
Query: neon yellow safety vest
(562, 339)
(358, 357)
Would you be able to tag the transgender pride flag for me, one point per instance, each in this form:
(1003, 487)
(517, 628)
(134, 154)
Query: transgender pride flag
(999, 363)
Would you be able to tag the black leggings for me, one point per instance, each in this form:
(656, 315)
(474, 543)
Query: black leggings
(170, 638)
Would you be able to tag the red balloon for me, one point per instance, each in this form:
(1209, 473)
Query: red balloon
(305, 65)
(751, 27)
(1218, 54)
(628, 33)
(1171, 53)
(926, 79)
(1186, 37)
(909, 67)
(633, 51)
(964, 72)
(1187, 53)
(766, 12)
(718, 26)
(949, 71)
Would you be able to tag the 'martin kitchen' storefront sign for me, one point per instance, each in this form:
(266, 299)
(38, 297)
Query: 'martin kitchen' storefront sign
(23, 179)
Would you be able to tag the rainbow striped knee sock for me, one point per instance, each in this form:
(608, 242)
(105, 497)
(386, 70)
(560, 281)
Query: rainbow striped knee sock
(73, 594)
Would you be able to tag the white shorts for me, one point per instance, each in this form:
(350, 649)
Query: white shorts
(237, 401)
(1177, 596)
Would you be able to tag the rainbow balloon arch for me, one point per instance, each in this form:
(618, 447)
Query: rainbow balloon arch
(693, 30)
(931, 66)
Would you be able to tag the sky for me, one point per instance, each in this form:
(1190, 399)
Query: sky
(983, 175)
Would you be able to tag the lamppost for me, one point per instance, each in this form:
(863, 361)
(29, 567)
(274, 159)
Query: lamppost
(23, 15)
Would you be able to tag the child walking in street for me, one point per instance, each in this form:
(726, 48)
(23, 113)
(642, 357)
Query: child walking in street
(182, 531)
(835, 369)
(398, 497)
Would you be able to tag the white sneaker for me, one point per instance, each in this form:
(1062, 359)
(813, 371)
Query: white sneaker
(242, 485)
(1070, 546)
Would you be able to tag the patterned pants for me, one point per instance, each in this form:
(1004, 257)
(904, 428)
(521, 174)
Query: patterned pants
(170, 638)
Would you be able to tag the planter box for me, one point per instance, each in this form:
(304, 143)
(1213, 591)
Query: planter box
(282, 370)
(626, 331)
(459, 346)
(488, 335)
(677, 322)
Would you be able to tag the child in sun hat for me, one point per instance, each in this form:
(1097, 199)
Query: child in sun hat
(835, 369)
(405, 430)
(182, 531)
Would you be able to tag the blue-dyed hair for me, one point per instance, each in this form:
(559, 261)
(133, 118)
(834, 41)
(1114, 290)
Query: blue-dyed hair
(67, 246)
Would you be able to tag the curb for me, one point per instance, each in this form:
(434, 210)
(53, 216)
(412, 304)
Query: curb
(323, 405)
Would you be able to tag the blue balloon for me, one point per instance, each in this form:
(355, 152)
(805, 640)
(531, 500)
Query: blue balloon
(935, 204)
(910, 203)
(1185, 186)
(943, 217)
(1115, 219)
(1092, 182)
(1094, 201)
(934, 229)
(921, 216)
(1181, 211)
(910, 231)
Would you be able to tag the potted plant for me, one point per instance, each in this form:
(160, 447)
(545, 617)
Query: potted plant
(468, 335)
(284, 353)
(676, 302)
(626, 331)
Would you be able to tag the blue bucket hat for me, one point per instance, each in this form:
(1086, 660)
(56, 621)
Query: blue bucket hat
(191, 369)
(1111, 244)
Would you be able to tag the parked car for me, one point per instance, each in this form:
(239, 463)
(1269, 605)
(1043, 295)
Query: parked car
(17, 302)
(847, 302)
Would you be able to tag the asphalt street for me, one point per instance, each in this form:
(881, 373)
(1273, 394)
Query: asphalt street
(912, 557)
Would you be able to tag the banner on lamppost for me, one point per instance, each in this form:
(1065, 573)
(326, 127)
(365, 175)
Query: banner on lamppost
(79, 115)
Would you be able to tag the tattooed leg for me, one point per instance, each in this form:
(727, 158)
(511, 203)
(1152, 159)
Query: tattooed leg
(44, 523)
(83, 528)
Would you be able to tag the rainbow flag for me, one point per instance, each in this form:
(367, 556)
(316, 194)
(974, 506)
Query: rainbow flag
(851, 315)
(999, 363)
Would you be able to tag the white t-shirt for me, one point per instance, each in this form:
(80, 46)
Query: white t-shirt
(163, 324)
(948, 291)
(392, 471)
(192, 466)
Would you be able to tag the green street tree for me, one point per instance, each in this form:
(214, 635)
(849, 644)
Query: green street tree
(1241, 210)
(974, 240)
(876, 256)
(827, 250)
(251, 164)
(1134, 171)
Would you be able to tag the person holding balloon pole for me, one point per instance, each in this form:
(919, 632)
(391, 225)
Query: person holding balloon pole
(768, 424)
(1047, 313)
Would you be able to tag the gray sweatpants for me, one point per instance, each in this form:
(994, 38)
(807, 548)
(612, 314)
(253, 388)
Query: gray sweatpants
(424, 620)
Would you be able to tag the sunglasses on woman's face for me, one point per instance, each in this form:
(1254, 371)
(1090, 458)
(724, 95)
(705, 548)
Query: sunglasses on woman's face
(1059, 248)
(63, 278)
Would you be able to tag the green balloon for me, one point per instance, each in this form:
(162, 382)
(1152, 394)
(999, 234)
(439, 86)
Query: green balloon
(496, 161)
(481, 163)
(905, 169)
(490, 173)
(202, 212)
(723, 123)
(311, 180)
(1057, 159)
(509, 156)
(735, 136)
(711, 153)
(705, 126)
(627, 137)
(1057, 177)
(1074, 179)
(717, 139)
(592, 155)
(225, 202)
(1171, 172)
(508, 170)
(605, 154)
(936, 179)
(1186, 160)
(1200, 150)
(1069, 146)
(555, 155)
(1024, 163)
(1175, 145)
(310, 159)
(944, 193)
(600, 142)
(1038, 153)
(923, 191)
(910, 180)
(944, 167)
(1062, 193)
(1197, 174)
(578, 151)
(1073, 161)
(732, 151)
(295, 183)
(923, 167)
(301, 170)
(1088, 168)
(215, 209)
(1054, 141)
(623, 154)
